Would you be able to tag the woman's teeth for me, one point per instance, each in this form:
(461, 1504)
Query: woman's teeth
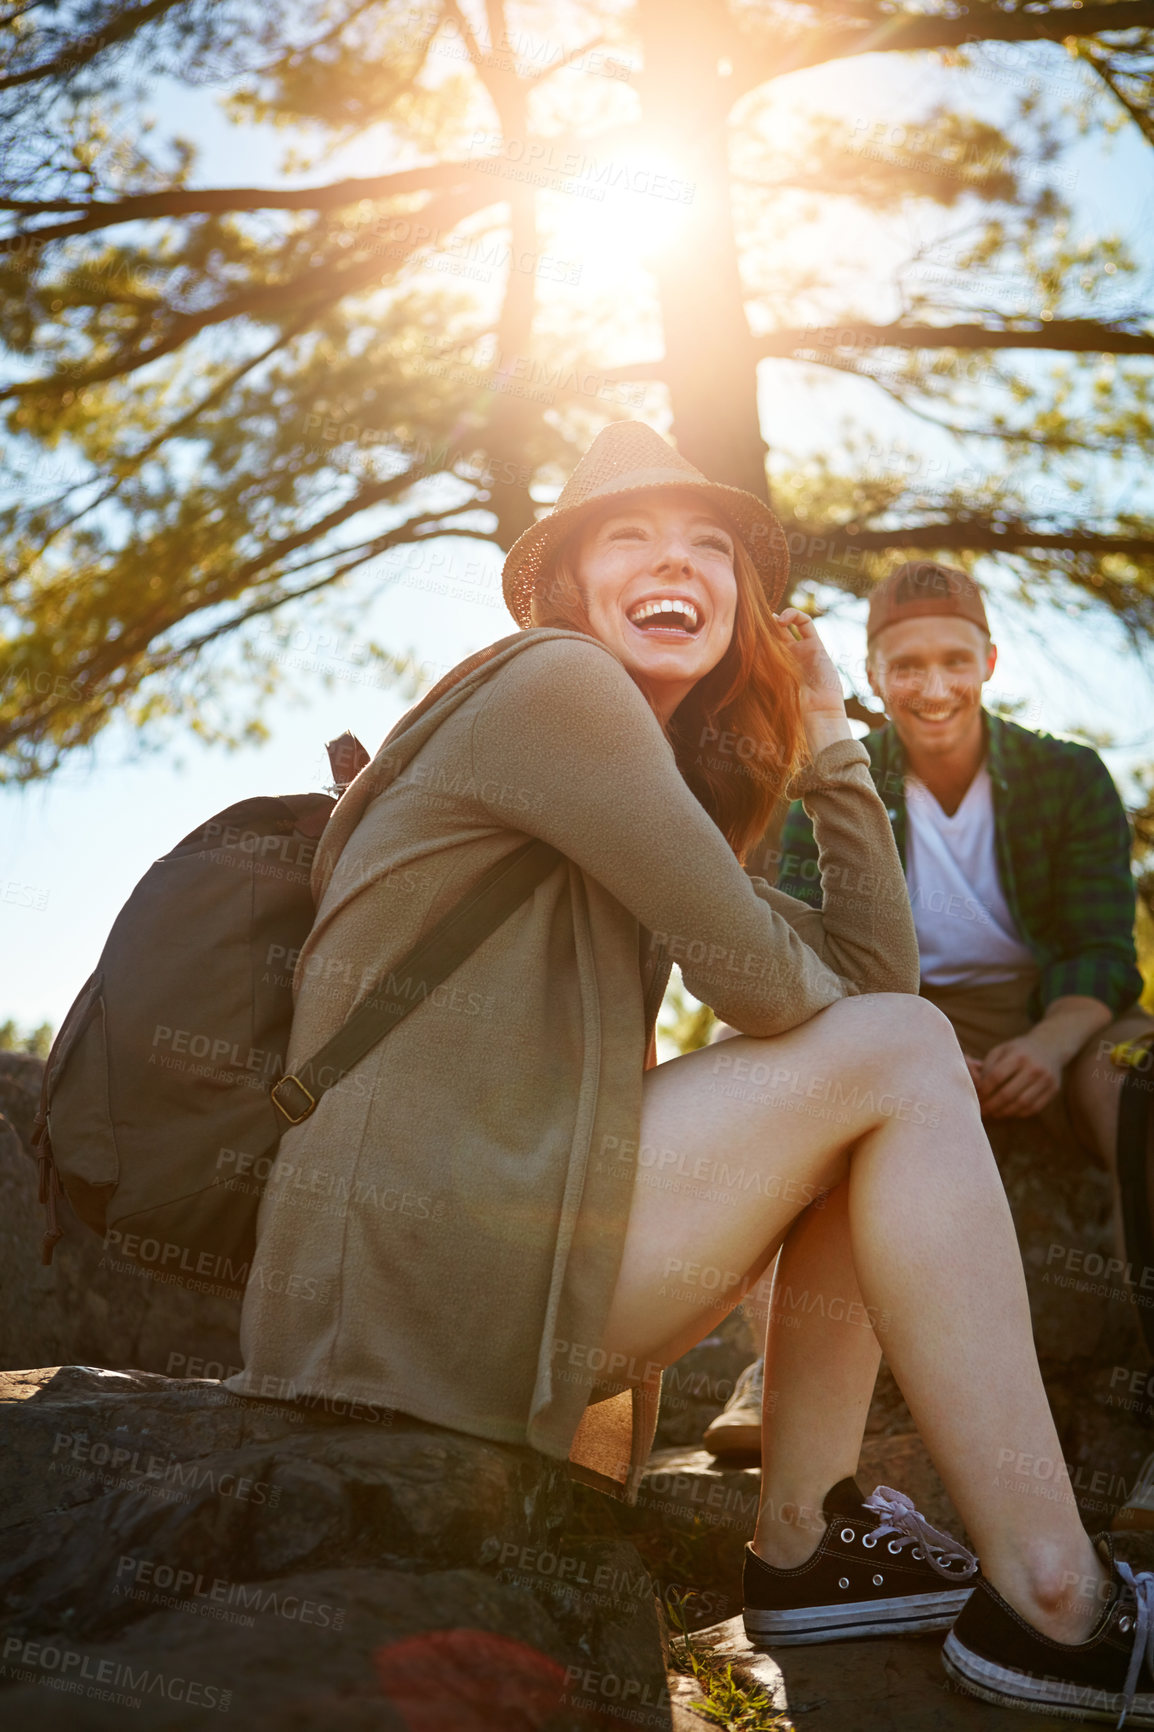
(680, 613)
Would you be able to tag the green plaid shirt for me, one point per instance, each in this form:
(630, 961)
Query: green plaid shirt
(1062, 843)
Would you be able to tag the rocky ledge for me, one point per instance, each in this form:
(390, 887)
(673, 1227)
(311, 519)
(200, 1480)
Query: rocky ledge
(174, 1549)
(184, 1553)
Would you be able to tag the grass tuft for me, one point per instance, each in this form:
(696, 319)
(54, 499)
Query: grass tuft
(729, 1703)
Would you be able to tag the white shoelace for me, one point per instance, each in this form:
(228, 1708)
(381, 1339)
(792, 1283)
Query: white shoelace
(1143, 1586)
(908, 1526)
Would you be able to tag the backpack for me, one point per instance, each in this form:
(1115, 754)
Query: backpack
(164, 1095)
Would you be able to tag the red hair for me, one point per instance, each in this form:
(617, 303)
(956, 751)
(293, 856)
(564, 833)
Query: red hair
(738, 736)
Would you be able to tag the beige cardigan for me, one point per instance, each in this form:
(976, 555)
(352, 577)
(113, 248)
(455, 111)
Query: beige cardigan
(440, 1237)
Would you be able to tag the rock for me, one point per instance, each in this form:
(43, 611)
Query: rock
(317, 1569)
(896, 1684)
(691, 1522)
(21, 1074)
(686, 1698)
(1061, 1202)
(375, 1657)
(1085, 1313)
(79, 1309)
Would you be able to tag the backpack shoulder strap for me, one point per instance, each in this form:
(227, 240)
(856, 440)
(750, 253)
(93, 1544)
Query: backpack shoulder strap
(1134, 1150)
(488, 905)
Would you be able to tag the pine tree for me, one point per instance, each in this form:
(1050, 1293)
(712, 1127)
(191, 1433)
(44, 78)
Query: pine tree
(221, 400)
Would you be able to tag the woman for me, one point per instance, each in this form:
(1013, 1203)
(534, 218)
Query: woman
(501, 1222)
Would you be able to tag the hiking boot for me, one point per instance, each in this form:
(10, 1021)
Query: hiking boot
(880, 1569)
(993, 1653)
(1137, 1513)
(737, 1428)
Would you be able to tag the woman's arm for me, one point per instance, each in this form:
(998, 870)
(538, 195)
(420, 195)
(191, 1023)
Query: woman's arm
(864, 928)
(864, 895)
(565, 747)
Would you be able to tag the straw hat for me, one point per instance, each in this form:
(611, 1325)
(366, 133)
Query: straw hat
(629, 457)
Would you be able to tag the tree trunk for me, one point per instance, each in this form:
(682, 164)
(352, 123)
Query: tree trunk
(710, 366)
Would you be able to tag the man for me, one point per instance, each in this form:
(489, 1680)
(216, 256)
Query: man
(1016, 852)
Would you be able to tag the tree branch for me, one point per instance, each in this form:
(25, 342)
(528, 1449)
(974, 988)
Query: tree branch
(1141, 117)
(1076, 336)
(974, 536)
(912, 32)
(264, 302)
(402, 534)
(457, 17)
(128, 466)
(1072, 336)
(224, 201)
(571, 58)
(84, 49)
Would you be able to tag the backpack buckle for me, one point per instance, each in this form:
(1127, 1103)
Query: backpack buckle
(287, 1111)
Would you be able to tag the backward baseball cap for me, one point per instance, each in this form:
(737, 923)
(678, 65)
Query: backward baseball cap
(921, 589)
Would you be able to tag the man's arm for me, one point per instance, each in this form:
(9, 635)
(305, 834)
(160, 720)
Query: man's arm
(1094, 976)
(1094, 924)
(797, 867)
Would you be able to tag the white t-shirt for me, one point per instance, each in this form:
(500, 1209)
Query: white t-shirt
(966, 933)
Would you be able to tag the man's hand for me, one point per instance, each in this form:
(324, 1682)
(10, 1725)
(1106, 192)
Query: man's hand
(1019, 1077)
(1023, 1075)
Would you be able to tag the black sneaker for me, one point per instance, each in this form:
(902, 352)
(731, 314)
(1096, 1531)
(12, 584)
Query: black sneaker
(862, 1580)
(993, 1653)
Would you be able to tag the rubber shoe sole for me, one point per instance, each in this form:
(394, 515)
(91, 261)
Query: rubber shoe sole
(911, 1615)
(1008, 1688)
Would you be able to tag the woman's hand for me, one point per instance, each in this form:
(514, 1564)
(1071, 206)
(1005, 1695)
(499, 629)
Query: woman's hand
(822, 703)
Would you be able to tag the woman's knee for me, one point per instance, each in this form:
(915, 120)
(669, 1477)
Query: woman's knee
(897, 1037)
(916, 1035)
(893, 1042)
(884, 1018)
(873, 1024)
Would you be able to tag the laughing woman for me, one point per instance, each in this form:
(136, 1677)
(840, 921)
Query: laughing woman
(534, 1223)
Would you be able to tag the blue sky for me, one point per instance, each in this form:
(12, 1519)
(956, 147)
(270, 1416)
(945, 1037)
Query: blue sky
(72, 849)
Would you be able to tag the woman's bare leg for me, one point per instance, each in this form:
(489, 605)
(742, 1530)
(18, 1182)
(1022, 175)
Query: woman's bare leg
(873, 1092)
(818, 1341)
(821, 1364)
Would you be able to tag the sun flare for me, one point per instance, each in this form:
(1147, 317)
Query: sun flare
(621, 207)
